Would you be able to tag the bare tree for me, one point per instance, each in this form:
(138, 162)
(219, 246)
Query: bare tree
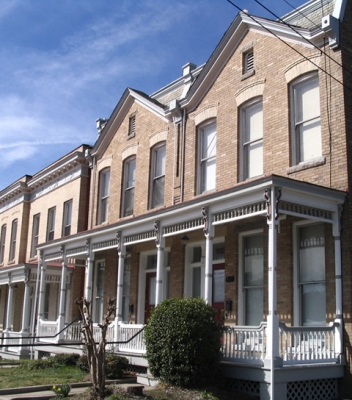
(95, 350)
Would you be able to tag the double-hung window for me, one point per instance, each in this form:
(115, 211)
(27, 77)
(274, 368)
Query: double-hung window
(206, 157)
(104, 189)
(2, 243)
(158, 163)
(129, 179)
(51, 223)
(35, 235)
(67, 218)
(251, 128)
(13, 240)
(311, 275)
(305, 119)
(252, 279)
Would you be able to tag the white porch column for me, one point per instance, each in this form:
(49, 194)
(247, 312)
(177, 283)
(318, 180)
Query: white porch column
(338, 286)
(160, 244)
(272, 360)
(62, 300)
(25, 312)
(89, 272)
(41, 287)
(121, 251)
(9, 307)
(209, 236)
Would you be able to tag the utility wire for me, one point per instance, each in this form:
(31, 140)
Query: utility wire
(287, 44)
(307, 40)
(300, 12)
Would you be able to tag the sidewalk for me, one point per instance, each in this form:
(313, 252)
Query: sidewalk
(45, 392)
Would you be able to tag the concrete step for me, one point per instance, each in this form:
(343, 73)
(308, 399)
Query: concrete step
(147, 380)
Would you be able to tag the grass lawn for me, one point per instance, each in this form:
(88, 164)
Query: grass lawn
(13, 377)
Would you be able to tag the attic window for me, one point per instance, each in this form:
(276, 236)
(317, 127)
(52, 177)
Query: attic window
(248, 62)
(132, 127)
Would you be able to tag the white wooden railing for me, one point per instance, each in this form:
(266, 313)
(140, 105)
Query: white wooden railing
(308, 344)
(244, 343)
(125, 333)
(73, 332)
(13, 338)
(48, 329)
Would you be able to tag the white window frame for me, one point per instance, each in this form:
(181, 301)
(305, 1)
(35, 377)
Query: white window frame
(67, 218)
(14, 228)
(297, 317)
(246, 145)
(104, 192)
(241, 278)
(50, 234)
(35, 235)
(157, 164)
(206, 159)
(128, 185)
(296, 124)
(2, 243)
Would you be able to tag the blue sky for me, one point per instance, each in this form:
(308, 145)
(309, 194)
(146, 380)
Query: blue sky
(66, 63)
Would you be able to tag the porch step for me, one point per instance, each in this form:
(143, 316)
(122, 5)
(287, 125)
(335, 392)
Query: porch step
(147, 380)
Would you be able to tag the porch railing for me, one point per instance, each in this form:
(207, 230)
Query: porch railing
(12, 338)
(308, 344)
(125, 333)
(73, 332)
(244, 343)
(47, 329)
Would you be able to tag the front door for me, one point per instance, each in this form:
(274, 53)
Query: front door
(219, 290)
(149, 294)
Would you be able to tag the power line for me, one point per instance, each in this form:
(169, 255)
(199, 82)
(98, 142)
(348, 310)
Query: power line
(307, 40)
(287, 44)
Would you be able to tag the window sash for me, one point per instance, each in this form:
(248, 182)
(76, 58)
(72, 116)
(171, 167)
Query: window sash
(129, 184)
(158, 175)
(306, 119)
(51, 223)
(35, 234)
(312, 285)
(252, 139)
(104, 190)
(2, 243)
(253, 279)
(207, 158)
(13, 240)
(67, 219)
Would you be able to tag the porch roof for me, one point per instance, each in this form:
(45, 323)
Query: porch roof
(245, 200)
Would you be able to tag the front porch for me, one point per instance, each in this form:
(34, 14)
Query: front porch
(268, 250)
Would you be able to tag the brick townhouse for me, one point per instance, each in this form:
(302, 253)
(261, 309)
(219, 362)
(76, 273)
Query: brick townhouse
(230, 183)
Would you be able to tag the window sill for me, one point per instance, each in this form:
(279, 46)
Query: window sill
(316, 162)
(34, 258)
(247, 74)
(11, 262)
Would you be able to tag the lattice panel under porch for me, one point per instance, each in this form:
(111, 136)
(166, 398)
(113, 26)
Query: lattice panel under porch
(323, 389)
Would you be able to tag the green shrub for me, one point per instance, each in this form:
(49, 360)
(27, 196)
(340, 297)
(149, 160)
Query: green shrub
(82, 363)
(115, 365)
(183, 343)
(68, 359)
(36, 364)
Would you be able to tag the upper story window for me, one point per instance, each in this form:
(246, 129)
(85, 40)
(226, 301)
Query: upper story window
(206, 178)
(35, 235)
(67, 218)
(305, 119)
(104, 190)
(2, 243)
(251, 129)
(129, 177)
(51, 224)
(13, 240)
(157, 183)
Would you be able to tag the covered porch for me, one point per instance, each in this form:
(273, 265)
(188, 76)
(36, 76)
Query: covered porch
(283, 341)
